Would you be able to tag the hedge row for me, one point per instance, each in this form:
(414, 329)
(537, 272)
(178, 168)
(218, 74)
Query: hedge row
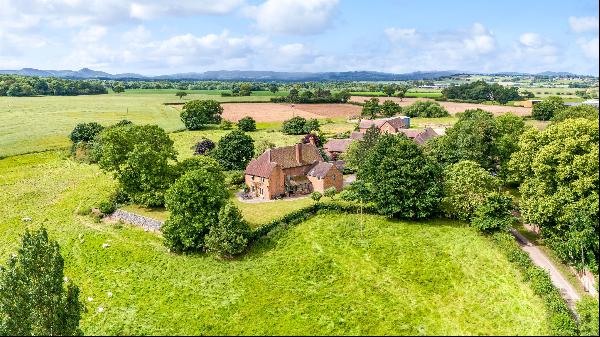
(305, 213)
(302, 100)
(562, 322)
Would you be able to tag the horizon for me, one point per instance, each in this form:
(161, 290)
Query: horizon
(160, 38)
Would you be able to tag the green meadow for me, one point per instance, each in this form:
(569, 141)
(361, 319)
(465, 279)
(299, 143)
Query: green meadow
(333, 274)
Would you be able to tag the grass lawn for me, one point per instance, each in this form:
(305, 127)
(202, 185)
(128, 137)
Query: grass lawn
(32, 124)
(329, 275)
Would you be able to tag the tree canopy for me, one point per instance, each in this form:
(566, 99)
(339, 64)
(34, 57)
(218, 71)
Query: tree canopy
(426, 109)
(35, 297)
(558, 168)
(546, 109)
(234, 150)
(402, 181)
(482, 91)
(197, 113)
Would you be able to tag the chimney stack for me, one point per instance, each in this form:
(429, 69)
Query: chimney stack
(299, 153)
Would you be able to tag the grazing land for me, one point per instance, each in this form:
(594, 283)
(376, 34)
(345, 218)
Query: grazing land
(333, 274)
(454, 107)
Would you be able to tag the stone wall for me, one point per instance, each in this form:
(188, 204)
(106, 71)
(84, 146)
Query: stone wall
(148, 224)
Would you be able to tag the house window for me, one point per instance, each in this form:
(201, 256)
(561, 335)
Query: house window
(333, 176)
(262, 179)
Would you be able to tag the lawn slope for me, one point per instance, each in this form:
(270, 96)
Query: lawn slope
(333, 274)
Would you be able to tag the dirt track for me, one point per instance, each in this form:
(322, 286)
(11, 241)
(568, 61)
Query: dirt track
(453, 107)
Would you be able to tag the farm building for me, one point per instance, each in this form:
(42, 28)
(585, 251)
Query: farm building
(291, 170)
(390, 125)
(334, 147)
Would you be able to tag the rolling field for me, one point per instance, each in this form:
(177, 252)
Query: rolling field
(333, 274)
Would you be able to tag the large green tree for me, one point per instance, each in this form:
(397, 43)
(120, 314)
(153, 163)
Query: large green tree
(371, 108)
(138, 156)
(402, 181)
(558, 168)
(426, 109)
(234, 150)
(197, 113)
(466, 186)
(579, 111)
(471, 138)
(35, 297)
(390, 108)
(509, 128)
(547, 108)
(358, 150)
(193, 201)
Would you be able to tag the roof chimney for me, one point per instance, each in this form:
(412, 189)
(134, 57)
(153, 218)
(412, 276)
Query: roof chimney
(298, 148)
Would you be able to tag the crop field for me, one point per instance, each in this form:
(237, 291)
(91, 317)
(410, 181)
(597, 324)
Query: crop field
(333, 274)
(454, 107)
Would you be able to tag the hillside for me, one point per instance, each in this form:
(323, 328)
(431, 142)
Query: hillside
(325, 276)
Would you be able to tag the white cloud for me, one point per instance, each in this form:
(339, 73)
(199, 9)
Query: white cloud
(531, 40)
(156, 9)
(400, 35)
(90, 34)
(294, 17)
(589, 47)
(583, 24)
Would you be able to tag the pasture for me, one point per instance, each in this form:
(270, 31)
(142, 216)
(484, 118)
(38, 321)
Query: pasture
(333, 274)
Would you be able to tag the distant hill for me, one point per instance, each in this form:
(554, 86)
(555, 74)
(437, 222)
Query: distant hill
(240, 75)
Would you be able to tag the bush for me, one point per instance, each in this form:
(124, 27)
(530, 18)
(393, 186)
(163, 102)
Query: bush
(197, 163)
(193, 201)
(425, 109)
(225, 125)
(316, 196)
(197, 113)
(311, 125)
(85, 132)
(230, 235)
(494, 214)
(330, 192)
(247, 124)
(203, 147)
(587, 308)
(390, 108)
(107, 206)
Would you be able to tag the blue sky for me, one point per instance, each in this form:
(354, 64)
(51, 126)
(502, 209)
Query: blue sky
(161, 37)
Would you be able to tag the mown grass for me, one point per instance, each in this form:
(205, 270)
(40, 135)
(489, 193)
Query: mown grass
(334, 274)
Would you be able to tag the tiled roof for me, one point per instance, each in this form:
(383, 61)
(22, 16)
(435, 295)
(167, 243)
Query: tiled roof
(424, 136)
(285, 157)
(320, 169)
(357, 135)
(410, 133)
(397, 122)
(337, 145)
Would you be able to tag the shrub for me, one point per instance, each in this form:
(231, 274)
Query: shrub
(311, 125)
(197, 113)
(107, 206)
(294, 126)
(234, 150)
(85, 132)
(494, 214)
(247, 124)
(587, 308)
(225, 125)
(316, 196)
(425, 109)
(193, 201)
(197, 163)
(262, 146)
(330, 192)
(203, 147)
(230, 235)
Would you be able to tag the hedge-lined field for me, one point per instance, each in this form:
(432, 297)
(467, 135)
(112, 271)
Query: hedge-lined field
(328, 275)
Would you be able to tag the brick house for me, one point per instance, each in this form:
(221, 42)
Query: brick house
(335, 147)
(291, 170)
(390, 125)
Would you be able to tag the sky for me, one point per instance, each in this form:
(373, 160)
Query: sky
(166, 37)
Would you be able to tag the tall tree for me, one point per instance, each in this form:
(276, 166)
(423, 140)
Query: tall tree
(197, 113)
(234, 150)
(35, 299)
(547, 108)
(371, 108)
(403, 182)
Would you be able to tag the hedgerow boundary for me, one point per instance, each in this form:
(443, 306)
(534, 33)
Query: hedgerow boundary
(562, 321)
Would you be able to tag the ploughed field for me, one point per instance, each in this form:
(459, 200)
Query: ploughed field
(454, 107)
(333, 274)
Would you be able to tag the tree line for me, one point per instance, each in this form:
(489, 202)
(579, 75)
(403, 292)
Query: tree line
(480, 91)
(22, 86)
